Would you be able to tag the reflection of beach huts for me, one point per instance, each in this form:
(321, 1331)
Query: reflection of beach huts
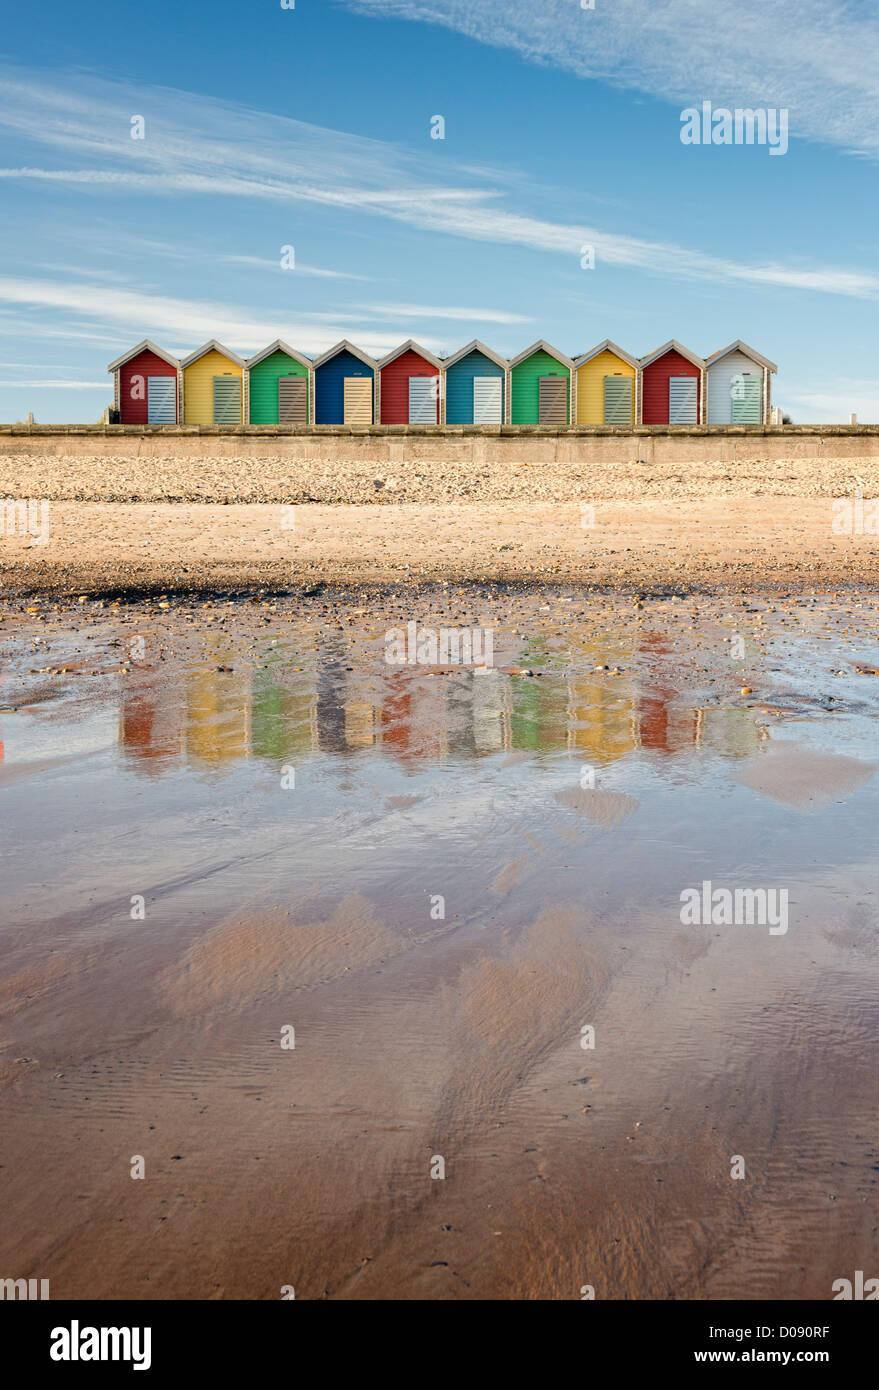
(607, 386)
(732, 733)
(409, 386)
(279, 386)
(151, 727)
(539, 714)
(540, 386)
(602, 710)
(213, 386)
(475, 386)
(344, 386)
(414, 718)
(362, 715)
(672, 386)
(146, 385)
(739, 386)
(217, 717)
(657, 730)
(491, 707)
(283, 717)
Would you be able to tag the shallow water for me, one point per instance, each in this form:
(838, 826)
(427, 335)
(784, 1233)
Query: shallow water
(290, 809)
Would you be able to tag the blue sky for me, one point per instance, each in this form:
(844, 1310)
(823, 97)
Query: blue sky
(310, 127)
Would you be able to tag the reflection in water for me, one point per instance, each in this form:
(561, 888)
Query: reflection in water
(419, 716)
(654, 700)
(218, 722)
(283, 719)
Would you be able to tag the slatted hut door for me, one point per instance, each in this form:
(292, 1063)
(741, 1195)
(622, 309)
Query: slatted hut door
(745, 389)
(552, 408)
(618, 400)
(358, 400)
(227, 400)
(292, 400)
(488, 400)
(162, 400)
(422, 400)
(683, 400)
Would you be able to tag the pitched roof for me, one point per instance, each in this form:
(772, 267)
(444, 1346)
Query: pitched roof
(541, 346)
(739, 346)
(410, 345)
(145, 345)
(345, 346)
(212, 346)
(607, 346)
(279, 346)
(672, 346)
(475, 346)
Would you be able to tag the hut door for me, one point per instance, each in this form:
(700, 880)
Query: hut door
(423, 400)
(745, 392)
(488, 400)
(358, 400)
(162, 400)
(227, 400)
(683, 400)
(292, 400)
(617, 400)
(552, 406)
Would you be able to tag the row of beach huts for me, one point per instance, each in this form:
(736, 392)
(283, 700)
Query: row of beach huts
(474, 386)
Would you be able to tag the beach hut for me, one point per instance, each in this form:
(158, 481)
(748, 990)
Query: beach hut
(279, 386)
(145, 385)
(213, 386)
(607, 386)
(344, 386)
(672, 386)
(409, 386)
(739, 386)
(475, 386)
(540, 386)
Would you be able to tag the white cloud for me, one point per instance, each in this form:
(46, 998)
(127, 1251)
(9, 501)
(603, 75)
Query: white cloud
(426, 311)
(834, 401)
(309, 270)
(186, 322)
(61, 385)
(819, 60)
(198, 146)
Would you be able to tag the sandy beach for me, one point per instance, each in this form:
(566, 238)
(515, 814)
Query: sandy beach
(738, 543)
(682, 689)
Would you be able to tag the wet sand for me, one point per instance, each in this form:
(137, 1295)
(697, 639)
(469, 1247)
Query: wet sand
(559, 815)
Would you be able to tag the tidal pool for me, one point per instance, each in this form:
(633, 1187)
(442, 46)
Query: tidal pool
(380, 975)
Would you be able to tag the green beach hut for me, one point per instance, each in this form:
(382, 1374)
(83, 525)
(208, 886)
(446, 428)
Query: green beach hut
(540, 386)
(280, 386)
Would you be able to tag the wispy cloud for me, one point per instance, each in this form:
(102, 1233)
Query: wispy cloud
(59, 385)
(835, 399)
(819, 60)
(195, 146)
(264, 263)
(121, 243)
(427, 311)
(183, 321)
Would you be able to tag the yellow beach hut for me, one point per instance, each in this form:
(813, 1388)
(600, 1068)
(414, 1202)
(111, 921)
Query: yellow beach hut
(607, 386)
(213, 386)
